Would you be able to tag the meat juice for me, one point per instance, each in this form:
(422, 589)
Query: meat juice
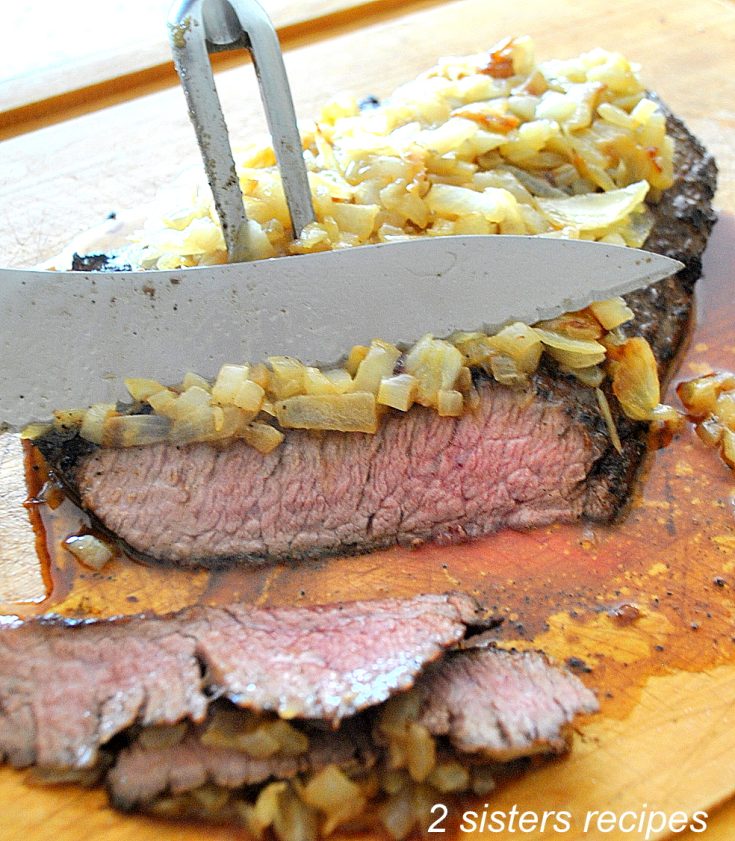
(649, 594)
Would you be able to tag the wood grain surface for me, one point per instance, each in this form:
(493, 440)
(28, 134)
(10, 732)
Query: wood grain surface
(123, 53)
(665, 737)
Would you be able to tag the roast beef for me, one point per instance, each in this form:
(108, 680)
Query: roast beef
(526, 458)
(67, 688)
(493, 705)
(137, 698)
(499, 704)
(141, 773)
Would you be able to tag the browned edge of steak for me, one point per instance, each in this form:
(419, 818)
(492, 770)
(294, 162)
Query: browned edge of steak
(683, 220)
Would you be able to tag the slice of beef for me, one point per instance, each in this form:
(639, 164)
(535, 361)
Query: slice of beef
(517, 461)
(524, 459)
(142, 773)
(67, 688)
(501, 704)
(491, 704)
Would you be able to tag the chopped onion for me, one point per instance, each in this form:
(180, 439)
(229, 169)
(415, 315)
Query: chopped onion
(592, 377)
(340, 379)
(332, 792)
(155, 737)
(710, 431)
(92, 428)
(483, 779)
(378, 363)
(355, 357)
(396, 814)
(699, 396)
(163, 403)
(69, 419)
(612, 430)
(287, 378)
(398, 392)
(88, 549)
(571, 359)
(36, 430)
(316, 382)
(294, 820)
(141, 389)
(190, 379)
(574, 325)
(635, 378)
(264, 812)
(506, 371)
(710, 400)
(494, 204)
(475, 348)
(194, 417)
(728, 446)
(450, 776)
(436, 364)
(519, 342)
(420, 752)
(612, 313)
(233, 387)
(725, 409)
(449, 403)
(594, 211)
(262, 436)
(253, 734)
(579, 347)
(135, 430)
(341, 412)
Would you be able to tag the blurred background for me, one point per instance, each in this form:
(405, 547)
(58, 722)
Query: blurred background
(57, 57)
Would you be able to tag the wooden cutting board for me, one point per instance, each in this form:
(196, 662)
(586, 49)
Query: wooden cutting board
(637, 604)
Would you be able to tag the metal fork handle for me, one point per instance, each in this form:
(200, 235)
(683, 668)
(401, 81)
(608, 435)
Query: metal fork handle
(200, 27)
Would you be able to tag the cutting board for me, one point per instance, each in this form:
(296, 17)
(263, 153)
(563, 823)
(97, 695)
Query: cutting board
(636, 605)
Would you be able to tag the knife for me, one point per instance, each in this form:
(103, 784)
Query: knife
(68, 339)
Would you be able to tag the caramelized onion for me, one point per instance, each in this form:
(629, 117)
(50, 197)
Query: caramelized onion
(635, 378)
(710, 402)
(89, 550)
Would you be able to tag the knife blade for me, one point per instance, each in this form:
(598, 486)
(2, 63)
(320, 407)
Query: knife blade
(68, 339)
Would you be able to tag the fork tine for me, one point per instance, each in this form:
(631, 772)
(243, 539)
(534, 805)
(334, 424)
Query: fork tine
(197, 28)
(187, 36)
(275, 93)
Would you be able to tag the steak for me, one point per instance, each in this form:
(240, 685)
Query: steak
(500, 704)
(67, 687)
(141, 773)
(138, 699)
(525, 458)
(492, 704)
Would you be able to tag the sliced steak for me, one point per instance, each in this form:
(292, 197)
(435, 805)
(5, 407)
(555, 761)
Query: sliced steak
(524, 459)
(502, 704)
(141, 774)
(67, 688)
(492, 705)
(327, 662)
(420, 477)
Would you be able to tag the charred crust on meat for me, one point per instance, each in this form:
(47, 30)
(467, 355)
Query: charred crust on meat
(98, 263)
(63, 449)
